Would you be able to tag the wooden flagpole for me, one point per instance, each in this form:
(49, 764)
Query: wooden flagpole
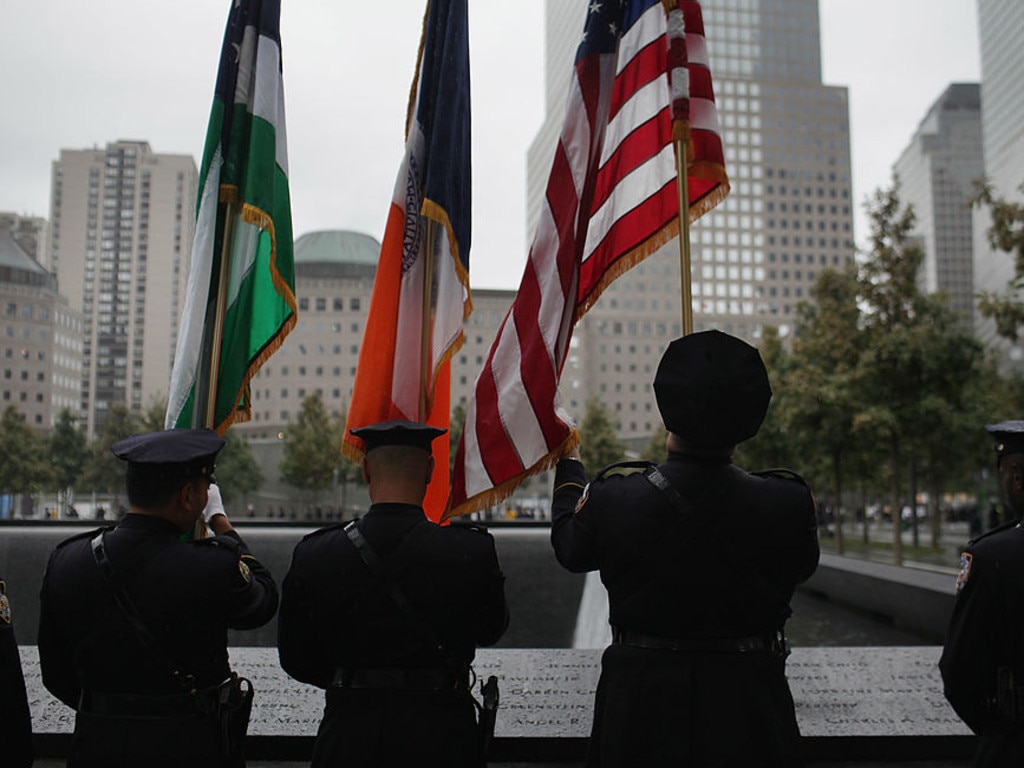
(685, 269)
(205, 404)
(427, 325)
(204, 407)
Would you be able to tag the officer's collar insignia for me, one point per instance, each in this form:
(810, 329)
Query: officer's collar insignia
(244, 570)
(5, 605)
(965, 571)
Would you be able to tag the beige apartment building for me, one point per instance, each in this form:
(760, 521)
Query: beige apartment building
(122, 219)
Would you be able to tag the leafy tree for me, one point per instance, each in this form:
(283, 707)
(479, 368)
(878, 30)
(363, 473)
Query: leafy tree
(23, 460)
(238, 472)
(155, 415)
(916, 361)
(772, 446)
(67, 453)
(455, 432)
(655, 451)
(599, 445)
(823, 383)
(1006, 233)
(103, 471)
(312, 448)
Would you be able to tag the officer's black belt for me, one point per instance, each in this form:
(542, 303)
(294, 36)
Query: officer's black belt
(397, 678)
(695, 644)
(144, 705)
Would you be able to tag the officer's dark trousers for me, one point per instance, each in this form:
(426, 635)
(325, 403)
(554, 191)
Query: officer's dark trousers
(153, 742)
(374, 727)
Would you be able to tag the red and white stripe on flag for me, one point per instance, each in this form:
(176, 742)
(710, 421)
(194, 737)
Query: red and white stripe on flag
(611, 201)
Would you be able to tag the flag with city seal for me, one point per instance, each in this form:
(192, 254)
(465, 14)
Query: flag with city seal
(240, 299)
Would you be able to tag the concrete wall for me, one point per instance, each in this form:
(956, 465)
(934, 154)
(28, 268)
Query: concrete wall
(919, 600)
(543, 598)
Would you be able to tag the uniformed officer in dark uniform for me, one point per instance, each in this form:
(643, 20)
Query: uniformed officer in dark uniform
(700, 559)
(385, 614)
(15, 719)
(134, 619)
(982, 662)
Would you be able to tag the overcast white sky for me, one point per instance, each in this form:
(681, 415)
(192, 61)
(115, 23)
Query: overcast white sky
(81, 74)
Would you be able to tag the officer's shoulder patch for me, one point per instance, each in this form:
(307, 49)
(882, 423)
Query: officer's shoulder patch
(5, 605)
(582, 499)
(781, 473)
(966, 560)
(624, 469)
(243, 569)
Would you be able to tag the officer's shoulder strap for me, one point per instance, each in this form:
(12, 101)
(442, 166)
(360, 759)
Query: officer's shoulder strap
(624, 469)
(327, 529)
(998, 529)
(87, 535)
(469, 526)
(781, 473)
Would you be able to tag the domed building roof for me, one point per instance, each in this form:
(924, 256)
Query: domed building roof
(336, 246)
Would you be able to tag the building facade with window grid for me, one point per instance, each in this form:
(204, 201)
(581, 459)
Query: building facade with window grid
(122, 220)
(936, 174)
(41, 342)
(1002, 115)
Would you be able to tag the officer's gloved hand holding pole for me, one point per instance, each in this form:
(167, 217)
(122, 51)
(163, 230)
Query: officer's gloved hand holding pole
(214, 516)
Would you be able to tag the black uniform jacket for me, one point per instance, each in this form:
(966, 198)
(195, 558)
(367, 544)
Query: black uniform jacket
(986, 633)
(15, 720)
(724, 569)
(336, 615)
(188, 593)
(333, 614)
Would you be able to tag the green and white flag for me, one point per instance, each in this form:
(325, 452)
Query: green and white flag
(240, 300)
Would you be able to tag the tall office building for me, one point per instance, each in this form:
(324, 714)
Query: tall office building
(1002, 128)
(936, 173)
(755, 257)
(122, 220)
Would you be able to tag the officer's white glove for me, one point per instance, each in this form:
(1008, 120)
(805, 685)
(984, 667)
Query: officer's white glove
(214, 505)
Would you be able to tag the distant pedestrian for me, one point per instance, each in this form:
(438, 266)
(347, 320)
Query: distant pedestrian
(700, 559)
(982, 661)
(15, 719)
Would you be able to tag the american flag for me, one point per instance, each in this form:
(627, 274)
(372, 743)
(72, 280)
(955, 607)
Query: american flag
(611, 201)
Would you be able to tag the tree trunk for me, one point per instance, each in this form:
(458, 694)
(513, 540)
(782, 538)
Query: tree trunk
(864, 506)
(913, 499)
(897, 519)
(935, 513)
(837, 495)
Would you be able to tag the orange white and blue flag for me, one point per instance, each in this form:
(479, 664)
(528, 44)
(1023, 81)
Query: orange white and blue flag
(421, 289)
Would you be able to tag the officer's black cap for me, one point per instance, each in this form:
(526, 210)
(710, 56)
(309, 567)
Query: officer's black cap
(398, 432)
(1009, 437)
(181, 453)
(712, 390)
